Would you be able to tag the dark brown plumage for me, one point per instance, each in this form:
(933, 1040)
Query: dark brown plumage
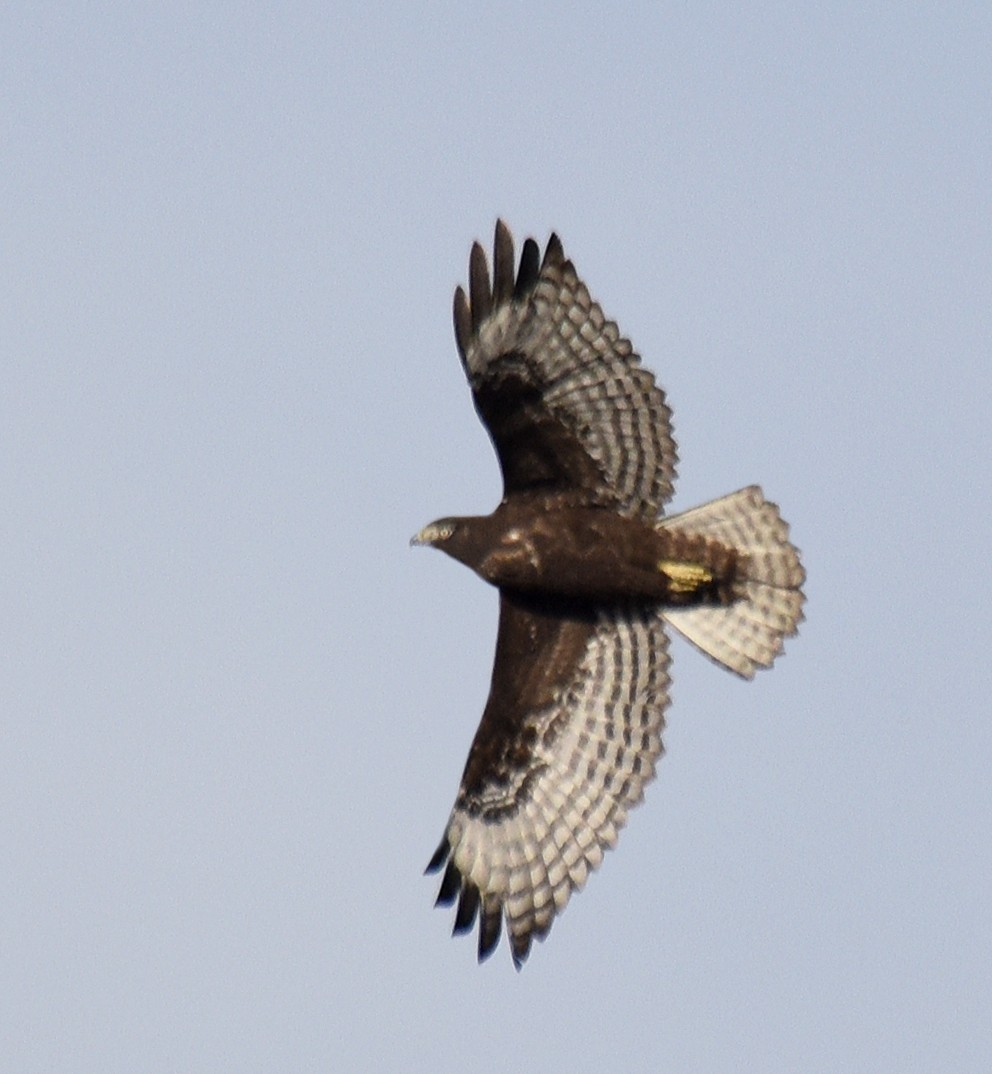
(589, 575)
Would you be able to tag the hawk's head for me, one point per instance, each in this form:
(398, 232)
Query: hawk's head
(466, 539)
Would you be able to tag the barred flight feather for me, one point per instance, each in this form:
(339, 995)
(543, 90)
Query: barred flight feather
(588, 376)
(522, 852)
(750, 633)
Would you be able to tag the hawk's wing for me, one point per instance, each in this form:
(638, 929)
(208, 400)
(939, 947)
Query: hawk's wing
(562, 393)
(569, 737)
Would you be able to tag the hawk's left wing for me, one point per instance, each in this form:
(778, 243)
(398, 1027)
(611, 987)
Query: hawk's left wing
(569, 738)
(568, 406)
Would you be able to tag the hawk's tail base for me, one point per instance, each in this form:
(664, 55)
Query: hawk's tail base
(750, 632)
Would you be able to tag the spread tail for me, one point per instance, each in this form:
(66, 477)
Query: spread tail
(748, 633)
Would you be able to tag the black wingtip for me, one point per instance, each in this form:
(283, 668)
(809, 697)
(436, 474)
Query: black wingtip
(439, 857)
(502, 264)
(490, 927)
(451, 885)
(463, 321)
(554, 254)
(530, 269)
(468, 907)
(519, 949)
(479, 290)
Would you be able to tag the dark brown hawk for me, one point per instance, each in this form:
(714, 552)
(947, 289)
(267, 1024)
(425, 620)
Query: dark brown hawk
(589, 574)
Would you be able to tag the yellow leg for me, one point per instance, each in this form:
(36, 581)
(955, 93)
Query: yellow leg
(685, 577)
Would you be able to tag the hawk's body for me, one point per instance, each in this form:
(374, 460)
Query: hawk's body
(540, 546)
(588, 575)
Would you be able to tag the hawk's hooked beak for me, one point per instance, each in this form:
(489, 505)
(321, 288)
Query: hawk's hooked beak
(435, 533)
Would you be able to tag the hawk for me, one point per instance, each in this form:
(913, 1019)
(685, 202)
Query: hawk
(589, 573)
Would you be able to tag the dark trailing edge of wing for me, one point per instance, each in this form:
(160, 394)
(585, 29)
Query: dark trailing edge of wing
(471, 904)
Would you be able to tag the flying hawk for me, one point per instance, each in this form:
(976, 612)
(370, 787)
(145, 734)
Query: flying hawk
(589, 574)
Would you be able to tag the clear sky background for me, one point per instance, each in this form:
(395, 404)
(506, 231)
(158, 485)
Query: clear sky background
(235, 705)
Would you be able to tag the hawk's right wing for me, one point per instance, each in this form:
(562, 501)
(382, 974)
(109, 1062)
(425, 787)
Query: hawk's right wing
(562, 393)
(569, 738)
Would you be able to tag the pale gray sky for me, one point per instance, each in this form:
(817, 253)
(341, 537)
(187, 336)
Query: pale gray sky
(235, 705)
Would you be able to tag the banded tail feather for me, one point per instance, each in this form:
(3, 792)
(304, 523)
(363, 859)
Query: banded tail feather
(750, 632)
